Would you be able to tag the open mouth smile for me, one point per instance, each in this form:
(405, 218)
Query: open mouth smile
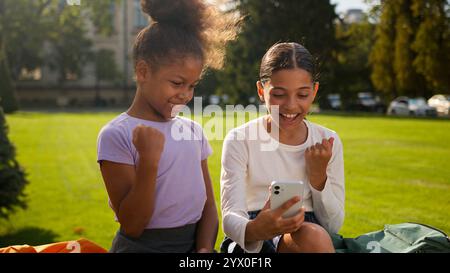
(289, 117)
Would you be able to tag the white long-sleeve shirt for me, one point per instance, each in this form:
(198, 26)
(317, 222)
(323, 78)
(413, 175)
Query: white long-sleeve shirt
(249, 165)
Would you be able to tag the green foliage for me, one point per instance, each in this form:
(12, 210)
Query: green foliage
(7, 91)
(8, 98)
(71, 49)
(407, 80)
(24, 27)
(352, 70)
(51, 33)
(105, 70)
(432, 43)
(411, 53)
(105, 65)
(266, 22)
(382, 54)
(101, 14)
(12, 177)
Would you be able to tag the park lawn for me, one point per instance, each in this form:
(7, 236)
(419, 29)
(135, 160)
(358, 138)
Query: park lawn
(397, 170)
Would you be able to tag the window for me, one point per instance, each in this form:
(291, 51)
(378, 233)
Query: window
(70, 76)
(30, 75)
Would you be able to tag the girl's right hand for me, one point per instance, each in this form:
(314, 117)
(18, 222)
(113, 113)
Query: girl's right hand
(149, 142)
(270, 223)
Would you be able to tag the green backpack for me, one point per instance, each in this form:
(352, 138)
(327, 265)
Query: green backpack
(400, 238)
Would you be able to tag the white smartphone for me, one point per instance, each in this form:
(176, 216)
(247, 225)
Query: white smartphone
(282, 191)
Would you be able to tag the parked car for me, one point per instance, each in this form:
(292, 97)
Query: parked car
(405, 106)
(332, 102)
(441, 103)
(335, 101)
(367, 101)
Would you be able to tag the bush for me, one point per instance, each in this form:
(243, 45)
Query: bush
(8, 98)
(12, 176)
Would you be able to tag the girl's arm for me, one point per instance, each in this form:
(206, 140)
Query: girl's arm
(325, 168)
(131, 189)
(209, 223)
(249, 234)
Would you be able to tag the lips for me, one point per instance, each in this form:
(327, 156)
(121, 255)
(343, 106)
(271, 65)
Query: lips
(289, 117)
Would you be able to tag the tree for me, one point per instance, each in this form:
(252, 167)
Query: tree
(382, 54)
(408, 81)
(267, 22)
(105, 69)
(8, 98)
(51, 33)
(411, 53)
(72, 46)
(12, 176)
(25, 27)
(71, 49)
(432, 43)
(352, 70)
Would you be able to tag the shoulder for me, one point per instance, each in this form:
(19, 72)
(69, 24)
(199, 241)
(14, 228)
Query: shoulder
(115, 129)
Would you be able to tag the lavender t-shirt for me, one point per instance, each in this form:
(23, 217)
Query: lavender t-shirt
(180, 187)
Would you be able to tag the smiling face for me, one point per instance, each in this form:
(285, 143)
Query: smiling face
(169, 88)
(293, 90)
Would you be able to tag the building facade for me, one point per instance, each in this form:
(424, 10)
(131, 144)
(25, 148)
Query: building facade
(40, 87)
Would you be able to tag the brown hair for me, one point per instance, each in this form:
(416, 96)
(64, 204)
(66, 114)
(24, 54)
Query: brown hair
(287, 56)
(182, 28)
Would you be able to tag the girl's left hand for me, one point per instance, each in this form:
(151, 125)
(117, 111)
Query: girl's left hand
(317, 158)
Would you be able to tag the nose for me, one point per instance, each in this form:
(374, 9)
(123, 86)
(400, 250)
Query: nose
(184, 97)
(291, 103)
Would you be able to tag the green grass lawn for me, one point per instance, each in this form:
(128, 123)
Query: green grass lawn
(397, 170)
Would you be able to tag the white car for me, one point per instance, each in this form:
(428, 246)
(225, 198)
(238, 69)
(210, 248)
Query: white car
(441, 103)
(404, 106)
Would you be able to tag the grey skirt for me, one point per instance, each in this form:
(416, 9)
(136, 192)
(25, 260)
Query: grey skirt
(166, 240)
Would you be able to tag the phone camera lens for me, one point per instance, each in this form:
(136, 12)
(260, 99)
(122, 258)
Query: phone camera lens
(277, 187)
(276, 192)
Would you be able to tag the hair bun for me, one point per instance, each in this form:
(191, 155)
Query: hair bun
(179, 13)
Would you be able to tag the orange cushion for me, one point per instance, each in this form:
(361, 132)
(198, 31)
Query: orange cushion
(78, 246)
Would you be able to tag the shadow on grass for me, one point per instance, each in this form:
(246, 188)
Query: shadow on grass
(32, 236)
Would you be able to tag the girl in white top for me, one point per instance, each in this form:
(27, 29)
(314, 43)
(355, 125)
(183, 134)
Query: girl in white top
(302, 151)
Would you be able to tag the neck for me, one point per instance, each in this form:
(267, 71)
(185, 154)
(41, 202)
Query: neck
(140, 108)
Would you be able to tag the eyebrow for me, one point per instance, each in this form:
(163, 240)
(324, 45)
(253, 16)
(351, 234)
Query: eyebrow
(285, 89)
(183, 79)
